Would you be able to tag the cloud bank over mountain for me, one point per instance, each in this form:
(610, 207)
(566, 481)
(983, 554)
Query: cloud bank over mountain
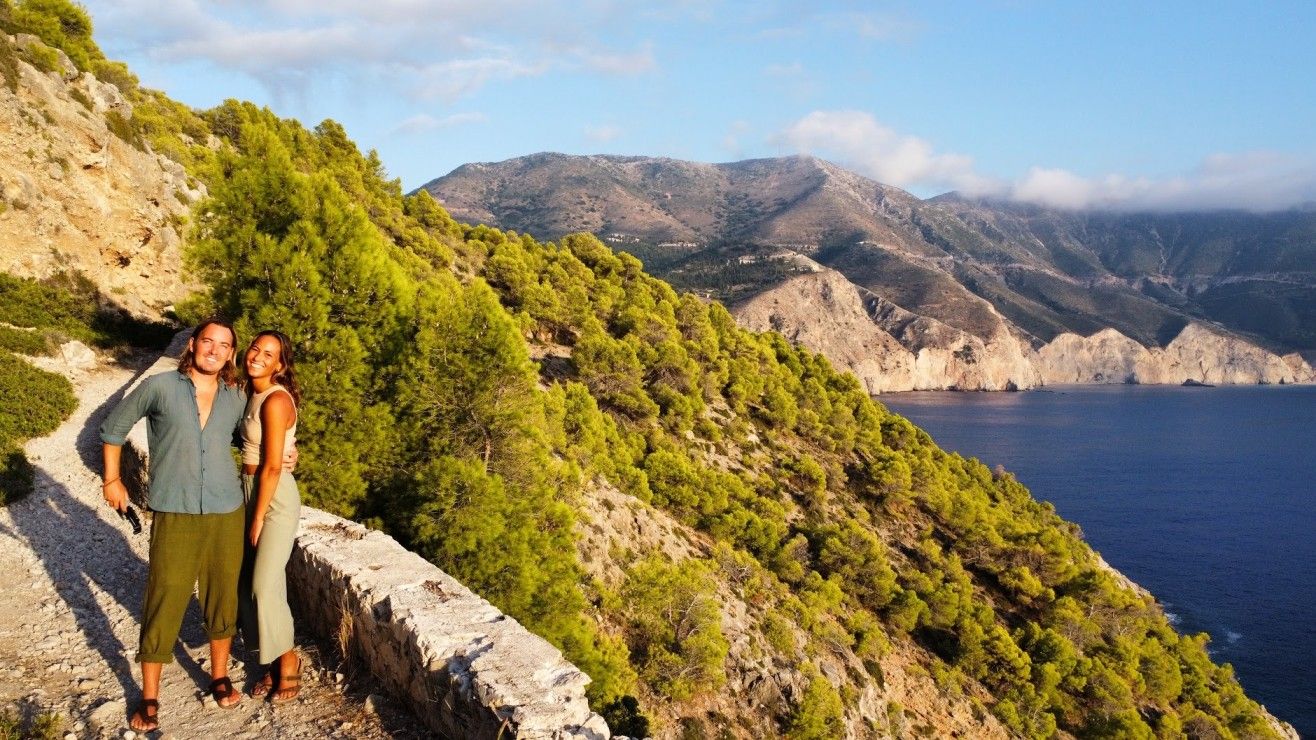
(1255, 181)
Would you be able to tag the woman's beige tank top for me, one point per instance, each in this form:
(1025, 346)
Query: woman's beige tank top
(251, 428)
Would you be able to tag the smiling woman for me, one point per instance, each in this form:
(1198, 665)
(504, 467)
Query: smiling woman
(269, 429)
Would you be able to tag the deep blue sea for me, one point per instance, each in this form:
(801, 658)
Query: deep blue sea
(1205, 496)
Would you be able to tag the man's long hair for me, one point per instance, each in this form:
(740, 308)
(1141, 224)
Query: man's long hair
(286, 376)
(228, 374)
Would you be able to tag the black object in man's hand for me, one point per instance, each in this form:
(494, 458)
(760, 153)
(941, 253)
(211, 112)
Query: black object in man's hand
(130, 514)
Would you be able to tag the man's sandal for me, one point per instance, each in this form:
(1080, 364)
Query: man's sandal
(289, 686)
(148, 720)
(222, 689)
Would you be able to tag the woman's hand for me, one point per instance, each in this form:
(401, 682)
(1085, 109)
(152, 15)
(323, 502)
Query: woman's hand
(256, 525)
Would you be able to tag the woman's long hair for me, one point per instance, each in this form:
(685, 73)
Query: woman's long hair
(286, 376)
(228, 374)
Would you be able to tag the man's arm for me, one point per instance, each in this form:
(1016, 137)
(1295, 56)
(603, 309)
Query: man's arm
(114, 430)
(113, 488)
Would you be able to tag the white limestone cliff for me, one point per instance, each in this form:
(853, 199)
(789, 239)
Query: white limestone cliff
(1200, 354)
(892, 349)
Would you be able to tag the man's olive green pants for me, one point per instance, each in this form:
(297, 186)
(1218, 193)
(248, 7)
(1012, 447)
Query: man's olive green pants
(201, 550)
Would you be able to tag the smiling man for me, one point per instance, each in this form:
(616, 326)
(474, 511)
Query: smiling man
(196, 496)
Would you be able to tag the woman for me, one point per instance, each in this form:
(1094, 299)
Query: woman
(269, 427)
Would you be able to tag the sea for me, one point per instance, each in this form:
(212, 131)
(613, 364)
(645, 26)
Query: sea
(1204, 496)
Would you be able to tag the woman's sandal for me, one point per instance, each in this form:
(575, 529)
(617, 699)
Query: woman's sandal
(291, 684)
(222, 689)
(263, 687)
(149, 720)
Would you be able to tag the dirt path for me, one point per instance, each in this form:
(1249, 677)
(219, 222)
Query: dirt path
(71, 579)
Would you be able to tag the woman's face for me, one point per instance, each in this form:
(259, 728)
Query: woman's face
(263, 357)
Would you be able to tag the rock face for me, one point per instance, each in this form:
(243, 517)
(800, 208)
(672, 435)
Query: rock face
(1198, 354)
(891, 349)
(74, 195)
(885, 346)
(825, 312)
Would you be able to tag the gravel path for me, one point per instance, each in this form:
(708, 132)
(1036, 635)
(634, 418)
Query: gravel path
(71, 580)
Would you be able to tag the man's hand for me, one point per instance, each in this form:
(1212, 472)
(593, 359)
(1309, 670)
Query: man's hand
(290, 459)
(116, 495)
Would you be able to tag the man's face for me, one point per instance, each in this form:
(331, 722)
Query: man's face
(212, 349)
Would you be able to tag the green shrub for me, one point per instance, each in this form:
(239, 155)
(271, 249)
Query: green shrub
(675, 627)
(34, 402)
(8, 63)
(24, 342)
(125, 129)
(117, 74)
(61, 24)
(69, 306)
(624, 717)
(16, 476)
(43, 58)
(81, 97)
(819, 715)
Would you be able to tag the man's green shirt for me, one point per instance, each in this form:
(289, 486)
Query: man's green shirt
(192, 469)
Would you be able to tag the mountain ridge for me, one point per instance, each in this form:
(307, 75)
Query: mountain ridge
(734, 231)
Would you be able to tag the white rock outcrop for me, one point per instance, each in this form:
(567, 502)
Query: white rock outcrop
(1199, 354)
(885, 346)
(825, 312)
(892, 349)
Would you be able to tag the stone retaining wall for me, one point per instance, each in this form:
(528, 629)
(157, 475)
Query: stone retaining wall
(467, 670)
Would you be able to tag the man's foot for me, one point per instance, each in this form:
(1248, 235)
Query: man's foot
(145, 717)
(263, 686)
(290, 685)
(225, 695)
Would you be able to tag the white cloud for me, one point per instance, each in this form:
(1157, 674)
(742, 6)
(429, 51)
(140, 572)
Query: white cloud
(423, 123)
(1257, 181)
(425, 48)
(857, 140)
(889, 28)
(452, 79)
(293, 48)
(626, 64)
(603, 133)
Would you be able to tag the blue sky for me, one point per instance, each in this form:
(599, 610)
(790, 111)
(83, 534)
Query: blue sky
(1132, 105)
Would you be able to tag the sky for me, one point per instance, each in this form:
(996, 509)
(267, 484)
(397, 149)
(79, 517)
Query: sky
(1141, 105)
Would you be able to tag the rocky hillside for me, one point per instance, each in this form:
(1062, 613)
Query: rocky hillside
(974, 292)
(79, 189)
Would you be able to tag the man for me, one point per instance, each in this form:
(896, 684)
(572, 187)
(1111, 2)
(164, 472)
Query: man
(198, 526)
